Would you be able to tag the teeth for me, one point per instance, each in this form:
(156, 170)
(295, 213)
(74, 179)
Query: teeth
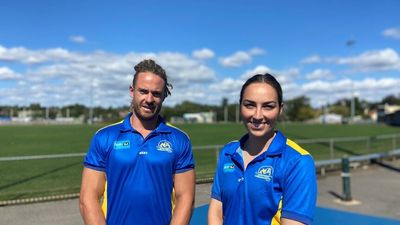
(256, 124)
(147, 107)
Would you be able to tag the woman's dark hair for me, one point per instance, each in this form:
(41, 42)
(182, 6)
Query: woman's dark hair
(263, 78)
(149, 65)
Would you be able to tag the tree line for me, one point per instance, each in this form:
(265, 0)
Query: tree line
(296, 109)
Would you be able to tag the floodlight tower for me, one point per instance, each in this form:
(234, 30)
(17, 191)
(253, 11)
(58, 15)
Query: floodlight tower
(90, 121)
(349, 44)
(352, 103)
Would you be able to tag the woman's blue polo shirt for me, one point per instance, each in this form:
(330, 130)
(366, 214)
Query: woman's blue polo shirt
(279, 183)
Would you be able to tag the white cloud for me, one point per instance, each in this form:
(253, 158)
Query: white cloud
(392, 33)
(204, 53)
(318, 86)
(287, 75)
(63, 77)
(183, 70)
(311, 59)
(320, 74)
(260, 69)
(290, 90)
(386, 59)
(256, 51)
(370, 89)
(23, 55)
(77, 39)
(13, 54)
(109, 75)
(228, 85)
(240, 58)
(283, 76)
(8, 74)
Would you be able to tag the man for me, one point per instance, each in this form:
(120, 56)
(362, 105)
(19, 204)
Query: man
(141, 162)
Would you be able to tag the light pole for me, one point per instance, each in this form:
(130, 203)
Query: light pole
(91, 104)
(90, 121)
(352, 105)
(225, 108)
(349, 44)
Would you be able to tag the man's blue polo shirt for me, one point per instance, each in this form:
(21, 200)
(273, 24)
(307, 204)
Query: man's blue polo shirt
(281, 182)
(139, 171)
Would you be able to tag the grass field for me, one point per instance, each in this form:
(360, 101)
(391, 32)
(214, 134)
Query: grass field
(22, 179)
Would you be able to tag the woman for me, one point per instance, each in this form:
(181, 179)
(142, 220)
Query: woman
(264, 178)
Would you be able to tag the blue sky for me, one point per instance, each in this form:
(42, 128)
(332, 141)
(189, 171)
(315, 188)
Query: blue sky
(57, 53)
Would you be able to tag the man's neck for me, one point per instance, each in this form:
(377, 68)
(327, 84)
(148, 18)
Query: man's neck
(144, 127)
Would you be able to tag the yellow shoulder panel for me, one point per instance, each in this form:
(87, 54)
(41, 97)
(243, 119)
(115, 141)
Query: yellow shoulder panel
(296, 147)
(110, 125)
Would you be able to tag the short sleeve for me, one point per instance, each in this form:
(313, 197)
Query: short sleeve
(216, 188)
(96, 156)
(300, 190)
(185, 159)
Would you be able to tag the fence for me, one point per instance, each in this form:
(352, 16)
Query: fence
(26, 177)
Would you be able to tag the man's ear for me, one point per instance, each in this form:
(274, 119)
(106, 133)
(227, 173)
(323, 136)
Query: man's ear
(131, 91)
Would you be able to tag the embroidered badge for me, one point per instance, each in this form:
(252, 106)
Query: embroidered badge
(164, 146)
(265, 173)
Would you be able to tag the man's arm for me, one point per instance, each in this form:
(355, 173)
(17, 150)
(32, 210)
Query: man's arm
(184, 186)
(92, 188)
(215, 212)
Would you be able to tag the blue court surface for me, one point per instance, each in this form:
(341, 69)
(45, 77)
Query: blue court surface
(323, 216)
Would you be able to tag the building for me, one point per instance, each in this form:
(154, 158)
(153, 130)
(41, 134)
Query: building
(331, 118)
(200, 117)
(389, 114)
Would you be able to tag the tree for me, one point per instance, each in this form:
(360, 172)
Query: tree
(340, 109)
(391, 100)
(37, 110)
(299, 109)
(75, 110)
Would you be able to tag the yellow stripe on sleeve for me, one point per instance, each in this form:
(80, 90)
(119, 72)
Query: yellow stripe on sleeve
(104, 202)
(276, 220)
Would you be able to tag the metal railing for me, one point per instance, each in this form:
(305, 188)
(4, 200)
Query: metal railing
(331, 142)
(332, 148)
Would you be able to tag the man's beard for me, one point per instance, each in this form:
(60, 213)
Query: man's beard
(136, 109)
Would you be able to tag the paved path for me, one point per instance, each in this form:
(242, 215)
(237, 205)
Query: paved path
(377, 188)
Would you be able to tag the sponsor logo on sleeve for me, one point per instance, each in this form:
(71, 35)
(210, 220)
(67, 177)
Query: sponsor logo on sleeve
(229, 167)
(122, 144)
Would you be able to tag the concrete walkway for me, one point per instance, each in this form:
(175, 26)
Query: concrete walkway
(375, 189)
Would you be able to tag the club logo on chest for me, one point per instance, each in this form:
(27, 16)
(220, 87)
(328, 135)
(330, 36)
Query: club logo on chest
(265, 173)
(164, 146)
